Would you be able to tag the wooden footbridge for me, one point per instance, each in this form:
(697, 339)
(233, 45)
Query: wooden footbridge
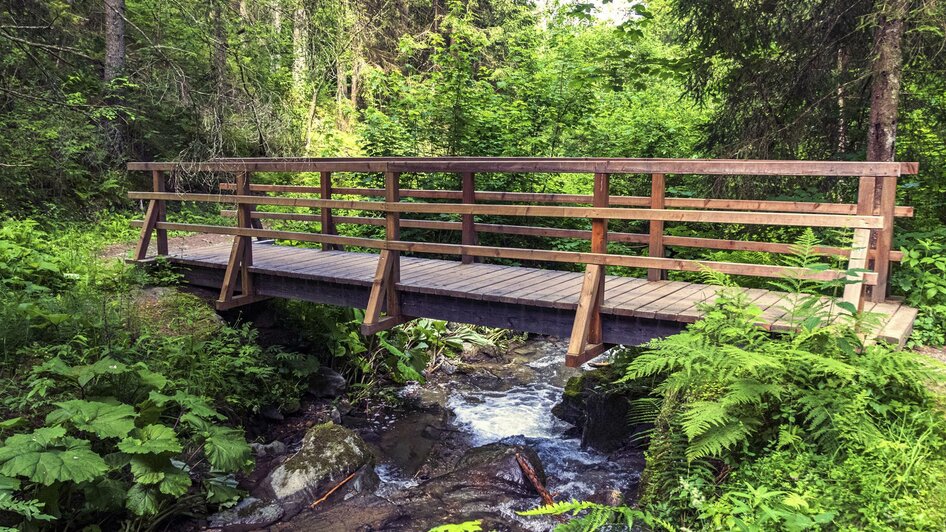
(596, 309)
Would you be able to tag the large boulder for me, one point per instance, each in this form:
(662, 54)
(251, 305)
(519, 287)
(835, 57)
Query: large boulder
(599, 410)
(329, 453)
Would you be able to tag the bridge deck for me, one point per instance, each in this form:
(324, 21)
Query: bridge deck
(497, 295)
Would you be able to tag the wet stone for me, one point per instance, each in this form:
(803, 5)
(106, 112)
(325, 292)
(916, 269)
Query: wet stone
(250, 514)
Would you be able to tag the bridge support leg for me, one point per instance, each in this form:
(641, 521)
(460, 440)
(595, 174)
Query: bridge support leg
(586, 340)
(384, 296)
(241, 256)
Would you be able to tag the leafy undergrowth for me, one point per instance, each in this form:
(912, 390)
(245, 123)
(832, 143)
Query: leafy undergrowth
(121, 407)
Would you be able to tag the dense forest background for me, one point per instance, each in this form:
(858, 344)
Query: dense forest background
(88, 85)
(126, 406)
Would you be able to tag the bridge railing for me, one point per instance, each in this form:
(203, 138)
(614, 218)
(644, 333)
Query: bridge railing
(870, 218)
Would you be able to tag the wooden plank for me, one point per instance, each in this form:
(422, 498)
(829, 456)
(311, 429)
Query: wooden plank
(858, 261)
(550, 291)
(327, 221)
(748, 218)
(158, 185)
(655, 244)
(888, 200)
(589, 165)
(898, 329)
(650, 309)
(674, 310)
(630, 306)
(624, 201)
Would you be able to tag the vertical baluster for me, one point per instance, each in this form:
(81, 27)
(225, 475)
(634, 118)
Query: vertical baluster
(468, 236)
(328, 221)
(888, 201)
(245, 220)
(656, 239)
(392, 231)
(157, 177)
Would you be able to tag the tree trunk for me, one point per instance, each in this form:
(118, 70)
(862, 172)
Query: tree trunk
(114, 39)
(885, 87)
(114, 129)
(300, 52)
(882, 130)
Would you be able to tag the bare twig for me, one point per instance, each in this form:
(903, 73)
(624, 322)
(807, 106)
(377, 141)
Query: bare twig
(333, 490)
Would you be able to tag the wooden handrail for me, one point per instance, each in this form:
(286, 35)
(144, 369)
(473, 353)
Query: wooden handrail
(622, 201)
(574, 257)
(543, 165)
(725, 217)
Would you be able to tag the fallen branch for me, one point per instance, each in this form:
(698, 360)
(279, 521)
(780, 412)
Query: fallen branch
(333, 490)
(530, 474)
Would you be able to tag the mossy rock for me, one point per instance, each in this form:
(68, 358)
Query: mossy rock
(170, 312)
(329, 453)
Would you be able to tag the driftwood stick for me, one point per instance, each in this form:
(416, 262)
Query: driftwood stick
(530, 473)
(333, 490)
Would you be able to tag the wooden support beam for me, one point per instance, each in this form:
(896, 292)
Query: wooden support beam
(157, 212)
(384, 296)
(599, 244)
(468, 230)
(589, 300)
(328, 222)
(241, 255)
(655, 245)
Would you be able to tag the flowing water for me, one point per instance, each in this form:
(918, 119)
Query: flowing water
(509, 402)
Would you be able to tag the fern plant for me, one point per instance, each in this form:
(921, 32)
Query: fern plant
(589, 516)
(727, 389)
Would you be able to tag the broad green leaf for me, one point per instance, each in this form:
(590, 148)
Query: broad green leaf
(46, 460)
(142, 500)
(149, 468)
(175, 483)
(102, 419)
(151, 439)
(226, 448)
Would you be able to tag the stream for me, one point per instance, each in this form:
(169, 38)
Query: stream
(424, 440)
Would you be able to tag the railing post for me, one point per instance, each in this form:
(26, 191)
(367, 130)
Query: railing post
(383, 294)
(655, 245)
(154, 214)
(587, 339)
(599, 244)
(241, 254)
(159, 184)
(468, 234)
(888, 201)
(328, 222)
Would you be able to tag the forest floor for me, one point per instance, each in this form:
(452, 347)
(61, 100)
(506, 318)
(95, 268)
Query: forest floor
(176, 245)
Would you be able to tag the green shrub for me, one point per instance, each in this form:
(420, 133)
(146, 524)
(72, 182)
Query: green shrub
(921, 278)
(118, 443)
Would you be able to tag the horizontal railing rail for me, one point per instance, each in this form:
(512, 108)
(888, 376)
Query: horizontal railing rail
(869, 255)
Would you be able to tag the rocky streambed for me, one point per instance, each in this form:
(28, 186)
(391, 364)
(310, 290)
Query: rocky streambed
(449, 451)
